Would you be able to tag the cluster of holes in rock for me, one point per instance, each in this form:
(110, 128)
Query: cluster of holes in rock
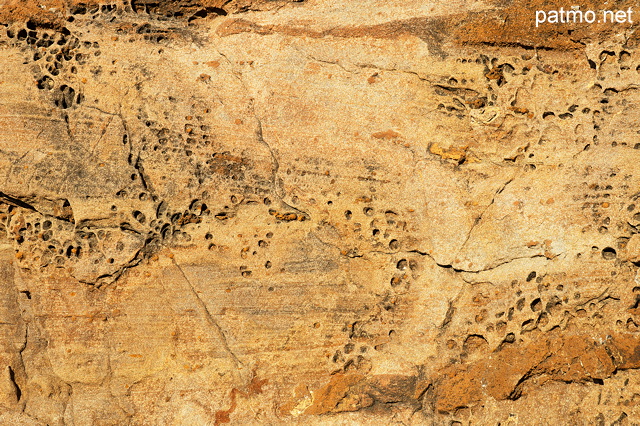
(254, 252)
(533, 311)
(351, 357)
(607, 96)
(612, 64)
(107, 11)
(195, 145)
(608, 219)
(464, 98)
(111, 12)
(383, 225)
(194, 141)
(375, 229)
(54, 53)
(583, 114)
(151, 33)
(189, 11)
(630, 226)
(405, 271)
(381, 324)
(381, 230)
(53, 242)
(600, 206)
(167, 224)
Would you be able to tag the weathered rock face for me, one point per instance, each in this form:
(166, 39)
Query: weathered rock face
(308, 212)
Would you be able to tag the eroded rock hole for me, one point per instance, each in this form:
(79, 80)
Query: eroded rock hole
(609, 253)
(64, 97)
(536, 305)
(139, 216)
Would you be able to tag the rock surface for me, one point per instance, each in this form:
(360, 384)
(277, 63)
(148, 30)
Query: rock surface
(317, 212)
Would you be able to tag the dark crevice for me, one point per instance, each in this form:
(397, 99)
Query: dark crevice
(16, 202)
(12, 377)
(533, 371)
(203, 13)
(510, 44)
(448, 316)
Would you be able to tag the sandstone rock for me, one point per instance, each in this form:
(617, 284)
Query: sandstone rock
(633, 248)
(305, 212)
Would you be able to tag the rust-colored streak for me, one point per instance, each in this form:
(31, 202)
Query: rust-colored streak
(387, 134)
(254, 388)
(222, 416)
(580, 357)
(510, 25)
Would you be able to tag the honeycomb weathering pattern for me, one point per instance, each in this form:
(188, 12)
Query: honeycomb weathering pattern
(317, 212)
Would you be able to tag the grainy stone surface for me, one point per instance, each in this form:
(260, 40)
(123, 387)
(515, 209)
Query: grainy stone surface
(317, 212)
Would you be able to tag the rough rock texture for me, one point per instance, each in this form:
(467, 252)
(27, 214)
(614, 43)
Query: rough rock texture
(317, 212)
